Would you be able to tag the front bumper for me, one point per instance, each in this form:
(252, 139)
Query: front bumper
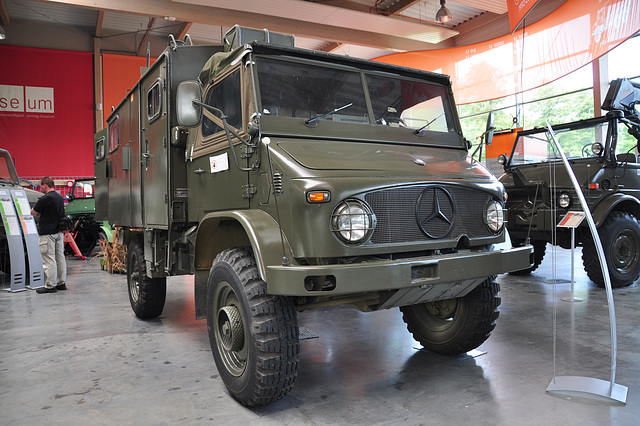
(451, 275)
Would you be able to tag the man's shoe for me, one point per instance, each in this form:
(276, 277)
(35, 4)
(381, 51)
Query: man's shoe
(61, 287)
(46, 290)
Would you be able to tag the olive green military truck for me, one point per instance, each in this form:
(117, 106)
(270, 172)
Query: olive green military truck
(602, 152)
(286, 180)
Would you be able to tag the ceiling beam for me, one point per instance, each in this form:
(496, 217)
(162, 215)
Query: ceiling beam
(401, 5)
(4, 14)
(183, 30)
(145, 37)
(99, 22)
(225, 17)
(330, 47)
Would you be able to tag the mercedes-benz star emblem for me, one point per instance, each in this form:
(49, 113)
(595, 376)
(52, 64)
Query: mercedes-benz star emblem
(435, 212)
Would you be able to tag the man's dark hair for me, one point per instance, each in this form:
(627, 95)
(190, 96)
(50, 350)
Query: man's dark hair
(47, 181)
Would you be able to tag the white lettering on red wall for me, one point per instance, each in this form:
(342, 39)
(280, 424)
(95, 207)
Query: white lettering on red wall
(26, 99)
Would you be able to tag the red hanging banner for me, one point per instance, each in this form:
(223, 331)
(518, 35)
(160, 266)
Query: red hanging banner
(518, 10)
(575, 34)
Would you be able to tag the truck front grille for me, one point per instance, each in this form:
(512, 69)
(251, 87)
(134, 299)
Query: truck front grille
(410, 214)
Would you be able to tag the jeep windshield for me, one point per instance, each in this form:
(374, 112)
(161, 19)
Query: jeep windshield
(535, 146)
(578, 140)
(323, 95)
(83, 189)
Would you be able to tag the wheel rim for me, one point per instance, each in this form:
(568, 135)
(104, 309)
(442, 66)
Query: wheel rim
(625, 252)
(229, 329)
(134, 280)
(442, 314)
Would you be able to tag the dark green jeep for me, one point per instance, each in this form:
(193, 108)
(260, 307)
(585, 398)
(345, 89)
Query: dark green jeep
(602, 152)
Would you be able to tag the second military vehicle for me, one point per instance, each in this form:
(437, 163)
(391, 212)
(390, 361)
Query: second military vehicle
(86, 231)
(602, 152)
(286, 180)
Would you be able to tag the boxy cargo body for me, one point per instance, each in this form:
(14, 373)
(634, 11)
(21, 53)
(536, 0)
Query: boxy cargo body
(286, 179)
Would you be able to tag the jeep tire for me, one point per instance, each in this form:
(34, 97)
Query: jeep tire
(253, 335)
(539, 250)
(620, 237)
(146, 295)
(455, 326)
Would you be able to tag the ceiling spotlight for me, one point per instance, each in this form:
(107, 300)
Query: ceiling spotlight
(3, 35)
(444, 14)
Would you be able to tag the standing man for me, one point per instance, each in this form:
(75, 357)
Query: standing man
(50, 209)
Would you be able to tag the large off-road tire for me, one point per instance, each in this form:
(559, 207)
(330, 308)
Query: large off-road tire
(539, 250)
(455, 326)
(86, 241)
(146, 295)
(253, 335)
(620, 237)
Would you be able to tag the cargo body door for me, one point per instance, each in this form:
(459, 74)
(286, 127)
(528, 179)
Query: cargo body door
(154, 139)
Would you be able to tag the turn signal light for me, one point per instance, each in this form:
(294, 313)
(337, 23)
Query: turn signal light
(594, 186)
(319, 197)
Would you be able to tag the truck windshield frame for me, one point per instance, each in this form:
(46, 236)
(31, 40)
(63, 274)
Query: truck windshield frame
(302, 89)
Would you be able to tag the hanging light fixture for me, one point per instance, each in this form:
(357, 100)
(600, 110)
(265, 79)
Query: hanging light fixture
(3, 35)
(443, 15)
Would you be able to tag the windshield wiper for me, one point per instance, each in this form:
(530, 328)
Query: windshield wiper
(418, 131)
(311, 120)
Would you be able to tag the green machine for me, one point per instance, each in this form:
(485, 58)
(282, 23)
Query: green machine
(287, 180)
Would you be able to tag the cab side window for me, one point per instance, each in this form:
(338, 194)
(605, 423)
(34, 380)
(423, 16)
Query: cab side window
(224, 95)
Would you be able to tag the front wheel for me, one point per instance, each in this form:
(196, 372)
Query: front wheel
(253, 335)
(146, 295)
(620, 237)
(455, 326)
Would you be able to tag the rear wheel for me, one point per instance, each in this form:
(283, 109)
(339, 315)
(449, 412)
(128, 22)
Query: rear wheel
(253, 335)
(455, 326)
(146, 295)
(620, 237)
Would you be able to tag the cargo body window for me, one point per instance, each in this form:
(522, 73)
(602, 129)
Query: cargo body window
(154, 101)
(225, 96)
(99, 149)
(114, 135)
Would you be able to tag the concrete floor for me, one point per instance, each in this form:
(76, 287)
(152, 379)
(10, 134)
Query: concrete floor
(81, 357)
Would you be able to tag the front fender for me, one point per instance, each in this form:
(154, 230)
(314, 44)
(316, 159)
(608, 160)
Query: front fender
(219, 231)
(108, 232)
(616, 201)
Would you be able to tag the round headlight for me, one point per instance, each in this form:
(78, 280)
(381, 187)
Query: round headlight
(352, 221)
(494, 216)
(564, 200)
(597, 148)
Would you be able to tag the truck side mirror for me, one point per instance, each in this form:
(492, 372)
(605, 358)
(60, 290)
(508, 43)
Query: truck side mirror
(491, 120)
(188, 114)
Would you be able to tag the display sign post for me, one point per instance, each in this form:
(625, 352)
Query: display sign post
(572, 220)
(578, 384)
(14, 242)
(30, 232)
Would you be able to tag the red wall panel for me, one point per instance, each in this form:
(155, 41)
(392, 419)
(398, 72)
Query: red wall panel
(46, 110)
(119, 74)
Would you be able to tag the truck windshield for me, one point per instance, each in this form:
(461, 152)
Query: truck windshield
(308, 91)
